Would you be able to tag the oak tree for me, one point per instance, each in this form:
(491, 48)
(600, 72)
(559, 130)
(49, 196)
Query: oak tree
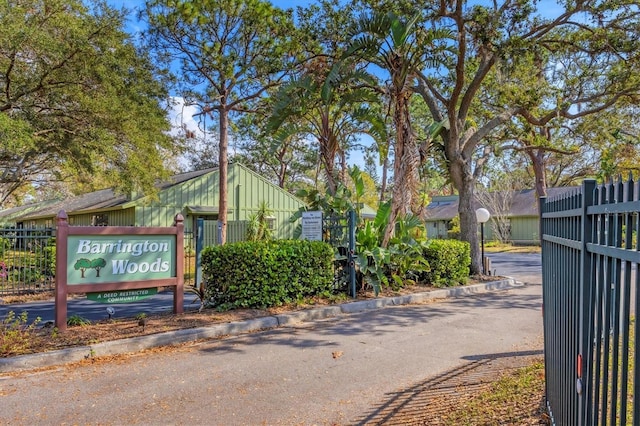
(78, 101)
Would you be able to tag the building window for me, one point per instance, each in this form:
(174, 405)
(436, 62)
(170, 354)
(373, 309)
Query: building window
(100, 220)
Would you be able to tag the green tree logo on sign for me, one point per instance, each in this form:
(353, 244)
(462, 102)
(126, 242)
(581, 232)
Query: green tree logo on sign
(98, 264)
(82, 265)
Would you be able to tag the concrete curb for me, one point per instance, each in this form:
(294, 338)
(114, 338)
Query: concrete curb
(140, 343)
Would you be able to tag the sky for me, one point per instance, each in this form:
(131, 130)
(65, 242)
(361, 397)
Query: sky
(182, 116)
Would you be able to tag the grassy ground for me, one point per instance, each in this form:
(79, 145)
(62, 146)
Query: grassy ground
(500, 391)
(515, 399)
(496, 247)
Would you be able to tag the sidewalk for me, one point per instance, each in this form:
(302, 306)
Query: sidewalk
(136, 344)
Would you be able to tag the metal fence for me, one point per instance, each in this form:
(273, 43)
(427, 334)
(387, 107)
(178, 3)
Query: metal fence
(339, 231)
(189, 259)
(590, 257)
(27, 255)
(27, 260)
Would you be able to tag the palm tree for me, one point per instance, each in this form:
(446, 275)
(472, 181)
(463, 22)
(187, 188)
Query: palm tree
(330, 103)
(397, 46)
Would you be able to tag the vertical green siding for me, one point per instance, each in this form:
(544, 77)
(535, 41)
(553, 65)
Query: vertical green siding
(157, 215)
(40, 223)
(200, 191)
(246, 192)
(236, 232)
(525, 230)
(437, 229)
(489, 234)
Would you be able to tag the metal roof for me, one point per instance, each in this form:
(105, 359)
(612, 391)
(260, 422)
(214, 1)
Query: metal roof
(102, 199)
(524, 203)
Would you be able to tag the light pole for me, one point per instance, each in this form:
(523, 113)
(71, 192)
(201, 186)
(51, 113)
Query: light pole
(482, 216)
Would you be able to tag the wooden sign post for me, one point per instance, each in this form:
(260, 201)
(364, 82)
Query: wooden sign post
(127, 262)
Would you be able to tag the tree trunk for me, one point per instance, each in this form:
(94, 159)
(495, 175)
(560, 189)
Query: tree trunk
(282, 170)
(537, 160)
(224, 163)
(328, 165)
(405, 170)
(383, 184)
(328, 151)
(344, 168)
(282, 175)
(462, 178)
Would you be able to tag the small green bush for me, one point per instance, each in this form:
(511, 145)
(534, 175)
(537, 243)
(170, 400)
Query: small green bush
(449, 262)
(261, 274)
(77, 321)
(49, 258)
(16, 333)
(25, 275)
(5, 244)
(453, 228)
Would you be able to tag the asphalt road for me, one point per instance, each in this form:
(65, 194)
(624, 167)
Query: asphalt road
(525, 267)
(327, 372)
(81, 306)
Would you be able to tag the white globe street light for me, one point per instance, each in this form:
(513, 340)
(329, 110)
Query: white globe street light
(482, 216)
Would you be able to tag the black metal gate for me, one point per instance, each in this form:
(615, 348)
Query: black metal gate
(590, 257)
(340, 232)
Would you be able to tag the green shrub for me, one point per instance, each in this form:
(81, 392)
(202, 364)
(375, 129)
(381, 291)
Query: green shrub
(26, 276)
(77, 321)
(5, 244)
(449, 262)
(16, 334)
(49, 258)
(453, 228)
(259, 228)
(260, 274)
(406, 247)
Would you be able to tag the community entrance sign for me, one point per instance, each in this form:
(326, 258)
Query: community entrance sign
(119, 258)
(117, 264)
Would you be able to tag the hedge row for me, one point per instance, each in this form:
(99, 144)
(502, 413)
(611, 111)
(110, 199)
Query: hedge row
(261, 274)
(449, 262)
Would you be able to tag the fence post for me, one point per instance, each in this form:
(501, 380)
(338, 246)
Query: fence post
(62, 231)
(542, 207)
(586, 297)
(199, 241)
(178, 293)
(352, 252)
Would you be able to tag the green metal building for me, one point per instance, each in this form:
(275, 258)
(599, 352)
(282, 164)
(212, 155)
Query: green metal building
(193, 194)
(521, 214)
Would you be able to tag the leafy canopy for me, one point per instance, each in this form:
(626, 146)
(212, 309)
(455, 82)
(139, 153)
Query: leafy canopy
(78, 102)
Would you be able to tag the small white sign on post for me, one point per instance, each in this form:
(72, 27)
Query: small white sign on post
(312, 226)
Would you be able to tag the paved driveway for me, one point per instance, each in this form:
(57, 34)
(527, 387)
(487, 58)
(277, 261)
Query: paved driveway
(526, 267)
(326, 372)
